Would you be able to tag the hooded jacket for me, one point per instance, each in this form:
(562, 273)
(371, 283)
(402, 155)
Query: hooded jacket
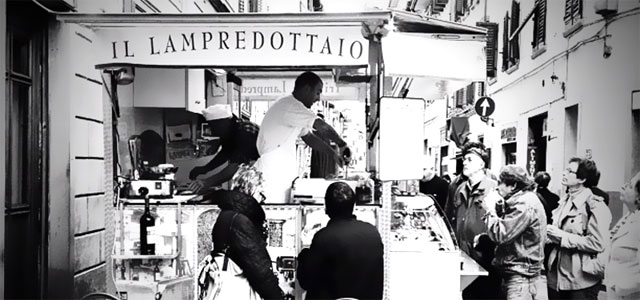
(246, 240)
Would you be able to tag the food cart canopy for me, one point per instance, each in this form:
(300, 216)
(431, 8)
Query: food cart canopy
(415, 46)
(440, 56)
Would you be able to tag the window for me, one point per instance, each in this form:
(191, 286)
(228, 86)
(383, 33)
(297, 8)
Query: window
(438, 6)
(460, 99)
(539, 25)
(572, 12)
(470, 93)
(511, 47)
(463, 7)
(492, 47)
(241, 6)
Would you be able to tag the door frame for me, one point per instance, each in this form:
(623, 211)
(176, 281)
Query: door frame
(37, 142)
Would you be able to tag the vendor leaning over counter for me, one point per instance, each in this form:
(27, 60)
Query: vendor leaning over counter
(287, 119)
(237, 142)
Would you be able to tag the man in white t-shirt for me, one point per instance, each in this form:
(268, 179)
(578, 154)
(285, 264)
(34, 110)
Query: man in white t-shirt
(287, 119)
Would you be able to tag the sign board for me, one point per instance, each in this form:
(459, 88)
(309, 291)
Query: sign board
(233, 45)
(508, 134)
(401, 138)
(532, 157)
(485, 106)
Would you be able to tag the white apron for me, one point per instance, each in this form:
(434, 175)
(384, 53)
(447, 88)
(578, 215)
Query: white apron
(279, 169)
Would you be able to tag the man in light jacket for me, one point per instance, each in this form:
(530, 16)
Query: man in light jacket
(579, 231)
(519, 229)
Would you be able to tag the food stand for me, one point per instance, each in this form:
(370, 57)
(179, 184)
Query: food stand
(172, 60)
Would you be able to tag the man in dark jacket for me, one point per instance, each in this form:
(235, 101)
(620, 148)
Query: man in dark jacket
(237, 143)
(432, 184)
(345, 258)
(470, 230)
(549, 199)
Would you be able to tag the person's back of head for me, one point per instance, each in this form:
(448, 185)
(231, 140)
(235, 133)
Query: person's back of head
(339, 200)
(307, 78)
(512, 175)
(542, 179)
(592, 179)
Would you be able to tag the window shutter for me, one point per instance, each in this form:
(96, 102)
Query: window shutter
(540, 22)
(460, 98)
(568, 11)
(459, 7)
(505, 43)
(515, 22)
(470, 93)
(492, 46)
(480, 88)
(577, 10)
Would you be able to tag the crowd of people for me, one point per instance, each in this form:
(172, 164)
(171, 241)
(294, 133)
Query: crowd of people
(533, 243)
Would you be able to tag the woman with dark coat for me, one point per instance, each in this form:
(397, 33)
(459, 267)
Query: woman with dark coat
(241, 227)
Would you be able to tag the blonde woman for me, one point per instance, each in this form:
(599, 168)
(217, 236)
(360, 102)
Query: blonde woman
(622, 271)
(240, 232)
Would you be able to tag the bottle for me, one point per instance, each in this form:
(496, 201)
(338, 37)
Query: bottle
(147, 226)
(156, 272)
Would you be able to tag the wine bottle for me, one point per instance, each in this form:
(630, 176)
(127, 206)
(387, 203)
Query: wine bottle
(147, 226)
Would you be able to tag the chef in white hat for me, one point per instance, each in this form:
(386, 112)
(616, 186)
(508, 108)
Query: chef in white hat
(237, 142)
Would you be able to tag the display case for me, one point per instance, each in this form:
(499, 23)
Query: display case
(421, 239)
(166, 273)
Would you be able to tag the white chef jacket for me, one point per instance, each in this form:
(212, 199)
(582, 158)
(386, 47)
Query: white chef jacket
(285, 121)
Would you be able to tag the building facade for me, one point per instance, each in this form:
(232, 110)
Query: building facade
(58, 213)
(564, 76)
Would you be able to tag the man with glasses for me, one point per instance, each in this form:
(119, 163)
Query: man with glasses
(579, 231)
(519, 228)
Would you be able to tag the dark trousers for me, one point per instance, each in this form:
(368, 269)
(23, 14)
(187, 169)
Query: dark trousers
(485, 287)
(590, 293)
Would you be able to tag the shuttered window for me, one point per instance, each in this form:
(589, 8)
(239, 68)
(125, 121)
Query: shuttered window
(460, 98)
(492, 46)
(514, 55)
(572, 12)
(462, 8)
(438, 6)
(505, 43)
(511, 49)
(539, 24)
(470, 93)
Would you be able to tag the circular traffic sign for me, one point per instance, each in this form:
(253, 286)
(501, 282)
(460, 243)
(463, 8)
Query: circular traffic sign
(485, 106)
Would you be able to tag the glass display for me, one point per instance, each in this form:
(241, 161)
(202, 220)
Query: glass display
(416, 223)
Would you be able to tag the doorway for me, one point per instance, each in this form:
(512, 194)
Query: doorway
(26, 163)
(537, 142)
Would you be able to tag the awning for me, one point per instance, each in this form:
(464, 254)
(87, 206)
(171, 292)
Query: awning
(415, 46)
(230, 40)
(441, 56)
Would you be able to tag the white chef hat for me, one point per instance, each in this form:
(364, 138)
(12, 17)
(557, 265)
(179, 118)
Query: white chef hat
(217, 111)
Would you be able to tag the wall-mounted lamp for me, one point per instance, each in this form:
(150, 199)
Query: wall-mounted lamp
(124, 75)
(554, 78)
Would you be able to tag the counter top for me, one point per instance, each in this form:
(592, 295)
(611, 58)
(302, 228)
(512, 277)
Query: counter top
(196, 201)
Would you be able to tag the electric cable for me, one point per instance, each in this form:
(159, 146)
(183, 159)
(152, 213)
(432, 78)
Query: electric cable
(553, 59)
